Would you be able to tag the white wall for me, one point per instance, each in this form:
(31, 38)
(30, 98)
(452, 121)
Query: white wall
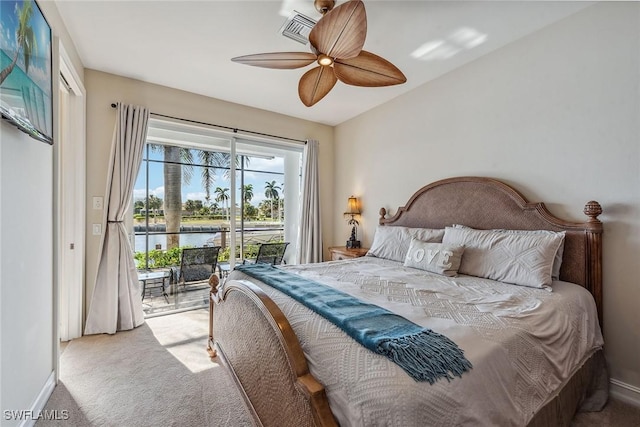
(555, 114)
(26, 268)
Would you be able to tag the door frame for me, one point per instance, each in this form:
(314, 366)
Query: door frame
(71, 168)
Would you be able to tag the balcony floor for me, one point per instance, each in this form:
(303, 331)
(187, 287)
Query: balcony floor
(178, 298)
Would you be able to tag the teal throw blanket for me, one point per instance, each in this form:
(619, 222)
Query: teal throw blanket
(425, 355)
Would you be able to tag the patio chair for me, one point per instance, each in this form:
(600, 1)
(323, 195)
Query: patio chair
(269, 253)
(196, 265)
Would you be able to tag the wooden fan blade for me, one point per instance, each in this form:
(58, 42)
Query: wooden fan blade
(278, 60)
(342, 31)
(369, 70)
(315, 84)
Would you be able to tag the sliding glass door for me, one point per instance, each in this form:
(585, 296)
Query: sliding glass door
(198, 187)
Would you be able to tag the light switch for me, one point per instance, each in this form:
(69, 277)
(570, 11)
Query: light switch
(97, 203)
(97, 229)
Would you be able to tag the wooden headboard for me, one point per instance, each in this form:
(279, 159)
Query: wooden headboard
(487, 203)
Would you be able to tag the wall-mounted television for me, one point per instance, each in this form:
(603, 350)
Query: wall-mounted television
(25, 68)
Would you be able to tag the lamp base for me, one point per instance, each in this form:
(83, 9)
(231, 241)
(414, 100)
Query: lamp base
(353, 244)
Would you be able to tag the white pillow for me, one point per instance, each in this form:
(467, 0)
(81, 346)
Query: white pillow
(434, 257)
(392, 242)
(433, 235)
(524, 259)
(557, 260)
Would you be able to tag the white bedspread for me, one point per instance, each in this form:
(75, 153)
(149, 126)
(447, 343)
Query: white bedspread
(524, 343)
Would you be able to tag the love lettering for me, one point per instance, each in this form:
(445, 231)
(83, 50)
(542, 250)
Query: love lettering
(431, 254)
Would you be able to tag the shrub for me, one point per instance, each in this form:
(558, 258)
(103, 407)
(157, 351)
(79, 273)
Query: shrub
(250, 251)
(159, 258)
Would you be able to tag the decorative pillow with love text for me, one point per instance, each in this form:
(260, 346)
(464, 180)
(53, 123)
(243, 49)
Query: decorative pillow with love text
(434, 257)
(392, 242)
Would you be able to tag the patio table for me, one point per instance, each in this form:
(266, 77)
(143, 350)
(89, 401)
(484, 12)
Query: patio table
(155, 279)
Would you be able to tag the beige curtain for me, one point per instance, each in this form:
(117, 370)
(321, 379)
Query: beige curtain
(310, 233)
(116, 304)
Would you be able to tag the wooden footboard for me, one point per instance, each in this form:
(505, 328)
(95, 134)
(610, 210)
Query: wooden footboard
(254, 339)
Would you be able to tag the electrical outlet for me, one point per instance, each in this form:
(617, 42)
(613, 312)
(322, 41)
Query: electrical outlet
(97, 203)
(97, 229)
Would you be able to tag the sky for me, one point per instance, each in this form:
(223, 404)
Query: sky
(195, 191)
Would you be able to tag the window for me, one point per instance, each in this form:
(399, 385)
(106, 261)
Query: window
(183, 197)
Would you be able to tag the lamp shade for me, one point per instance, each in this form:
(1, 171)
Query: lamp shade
(352, 206)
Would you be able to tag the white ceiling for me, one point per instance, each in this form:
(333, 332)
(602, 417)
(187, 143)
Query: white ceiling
(188, 44)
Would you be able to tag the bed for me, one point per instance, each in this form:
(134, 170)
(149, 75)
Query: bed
(536, 348)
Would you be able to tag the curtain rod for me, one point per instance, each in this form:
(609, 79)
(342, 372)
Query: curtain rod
(113, 105)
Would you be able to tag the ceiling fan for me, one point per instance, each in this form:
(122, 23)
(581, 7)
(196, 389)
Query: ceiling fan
(336, 45)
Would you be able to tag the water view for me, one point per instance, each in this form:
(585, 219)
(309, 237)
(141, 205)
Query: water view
(253, 235)
(195, 240)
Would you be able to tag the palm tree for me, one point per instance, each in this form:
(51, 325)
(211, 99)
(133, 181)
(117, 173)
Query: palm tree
(271, 193)
(247, 193)
(173, 194)
(212, 160)
(178, 167)
(25, 38)
(281, 204)
(222, 195)
(246, 196)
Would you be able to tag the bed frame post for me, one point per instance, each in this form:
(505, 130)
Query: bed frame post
(594, 255)
(210, 345)
(383, 214)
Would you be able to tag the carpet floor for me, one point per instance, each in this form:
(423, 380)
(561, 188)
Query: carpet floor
(160, 374)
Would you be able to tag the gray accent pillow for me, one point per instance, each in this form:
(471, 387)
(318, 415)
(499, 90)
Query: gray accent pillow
(392, 242)
(524, 259)
(434, 257)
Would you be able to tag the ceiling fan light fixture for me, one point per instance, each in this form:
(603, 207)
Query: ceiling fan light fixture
(325, 60)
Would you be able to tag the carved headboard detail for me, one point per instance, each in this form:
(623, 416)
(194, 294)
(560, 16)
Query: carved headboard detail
(487, 203)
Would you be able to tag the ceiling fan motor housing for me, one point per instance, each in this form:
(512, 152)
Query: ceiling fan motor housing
(324, 6)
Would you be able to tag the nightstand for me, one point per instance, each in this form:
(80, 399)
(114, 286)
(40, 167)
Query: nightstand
(341, 252)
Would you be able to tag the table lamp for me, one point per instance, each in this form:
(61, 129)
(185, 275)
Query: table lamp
(352, 210)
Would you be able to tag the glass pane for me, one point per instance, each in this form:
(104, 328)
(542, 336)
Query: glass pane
(180, 202)
(263, 177)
